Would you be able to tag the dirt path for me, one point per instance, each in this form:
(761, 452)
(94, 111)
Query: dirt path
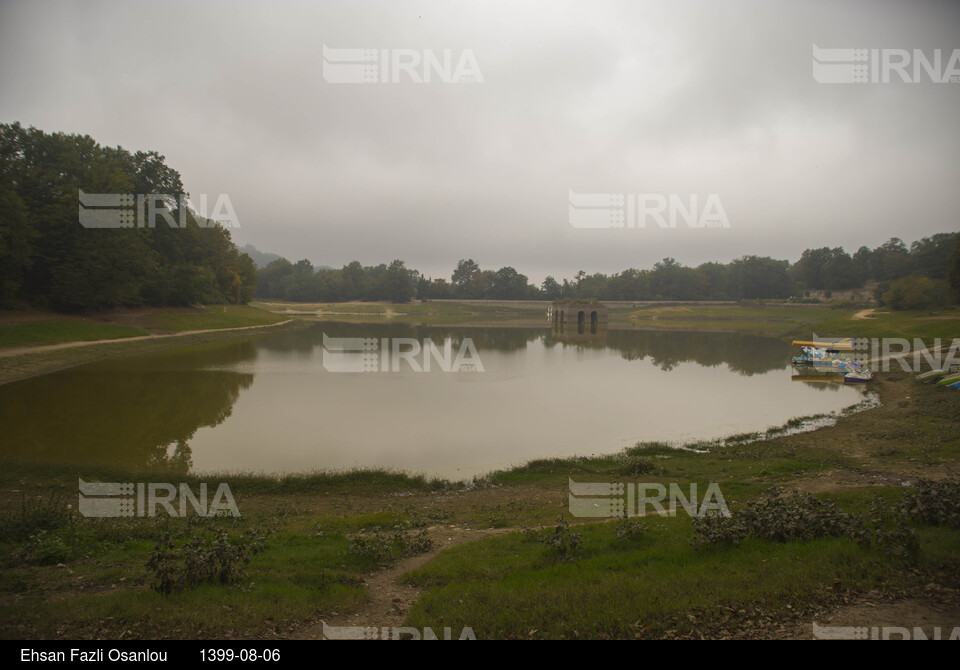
(867, 616)
(20, 351)
(863, 314)
(388, 600)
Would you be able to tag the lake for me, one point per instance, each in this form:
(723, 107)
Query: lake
(287, 403)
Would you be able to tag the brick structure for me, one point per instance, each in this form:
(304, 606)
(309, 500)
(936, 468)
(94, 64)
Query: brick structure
(581, 317)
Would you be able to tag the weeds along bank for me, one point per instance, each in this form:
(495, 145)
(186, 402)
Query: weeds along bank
(865, 521)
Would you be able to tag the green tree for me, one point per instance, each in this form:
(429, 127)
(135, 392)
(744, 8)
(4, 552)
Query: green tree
(955, 267)
(891, 260)
(50, 259)
(463, 279)
(753, 277)
(551, 289)
(397, 283)
(916, 293)
(15, 246)
(930, 256)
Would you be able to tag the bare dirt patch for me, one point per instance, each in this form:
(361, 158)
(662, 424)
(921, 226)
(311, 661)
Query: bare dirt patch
(388, 600)
(936, 607)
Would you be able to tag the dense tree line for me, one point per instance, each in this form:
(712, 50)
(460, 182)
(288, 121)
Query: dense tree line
(745, 278)
(914, 278)
(835, 269)
(47, 258)
(748, 277)
(301, 282)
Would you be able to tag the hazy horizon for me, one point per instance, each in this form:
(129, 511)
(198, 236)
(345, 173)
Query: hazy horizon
(691, 98)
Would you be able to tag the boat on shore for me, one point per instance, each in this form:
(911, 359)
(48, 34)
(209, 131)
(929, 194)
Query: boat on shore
(858, 376)
(822, 353)
(931, 376)
(834, 358)
(949, 380)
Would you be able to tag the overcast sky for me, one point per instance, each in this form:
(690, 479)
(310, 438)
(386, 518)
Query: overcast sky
(595, 97)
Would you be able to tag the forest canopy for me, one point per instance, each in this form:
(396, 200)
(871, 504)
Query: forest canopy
(48, 259)
(924, 275)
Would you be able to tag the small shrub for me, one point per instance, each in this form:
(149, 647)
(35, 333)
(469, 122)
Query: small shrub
(49, 513)
(380, 546)
(46, 548)
(637, 466)
(374, 547)
(801, 516)
(202, 559)
(563, 540)
(934, 503)
(886, 528)
(629, 529)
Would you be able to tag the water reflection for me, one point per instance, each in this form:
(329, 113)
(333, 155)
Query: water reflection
(594, 335)
(199, 408)
(820, 379)
(134, 413)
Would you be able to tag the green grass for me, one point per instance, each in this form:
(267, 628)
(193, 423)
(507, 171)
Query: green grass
(294, 578)
(512, 587)
(776, 320)
(925, 325)
(505, 586)
(358, 481)
(798, 320)
(430, 312)
(56, 331)
(212, 317)
(67, 576)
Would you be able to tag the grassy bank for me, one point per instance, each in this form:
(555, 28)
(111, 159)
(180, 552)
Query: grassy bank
(31, 363)
(54, 331)
(428, 313)
(64, 576)
(789, 320)
(23, 329)
(785, 320)
(319, 546)
(211, 317)
(657, 585)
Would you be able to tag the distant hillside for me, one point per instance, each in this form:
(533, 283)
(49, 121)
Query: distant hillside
(261, 258)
